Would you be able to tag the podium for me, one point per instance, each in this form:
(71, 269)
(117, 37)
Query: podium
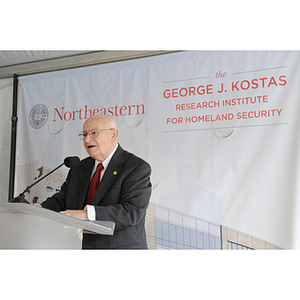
(25, 226)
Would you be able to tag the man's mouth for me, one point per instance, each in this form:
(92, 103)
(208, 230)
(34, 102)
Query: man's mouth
(91, 146)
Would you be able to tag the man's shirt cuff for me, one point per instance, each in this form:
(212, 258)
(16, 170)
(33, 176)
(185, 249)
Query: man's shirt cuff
(91, 214)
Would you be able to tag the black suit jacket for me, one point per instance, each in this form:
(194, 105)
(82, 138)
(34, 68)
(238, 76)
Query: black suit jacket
(122, 197)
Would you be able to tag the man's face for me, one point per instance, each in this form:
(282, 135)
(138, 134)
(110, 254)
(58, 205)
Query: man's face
(100, 147)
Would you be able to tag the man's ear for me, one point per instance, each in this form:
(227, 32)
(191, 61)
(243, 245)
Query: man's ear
(115, 133)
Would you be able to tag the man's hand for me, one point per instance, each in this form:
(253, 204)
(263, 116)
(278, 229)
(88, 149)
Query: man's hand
(78, 214)
(37, 204)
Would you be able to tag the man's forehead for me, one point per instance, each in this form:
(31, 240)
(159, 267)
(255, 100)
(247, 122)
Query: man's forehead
(94, 124)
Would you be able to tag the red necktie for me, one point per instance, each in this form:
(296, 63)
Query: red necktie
(94, 184)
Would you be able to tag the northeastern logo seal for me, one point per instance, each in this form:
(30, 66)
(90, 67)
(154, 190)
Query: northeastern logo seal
(38, 116)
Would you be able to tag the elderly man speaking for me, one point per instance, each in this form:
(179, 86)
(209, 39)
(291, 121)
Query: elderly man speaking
(109, 185)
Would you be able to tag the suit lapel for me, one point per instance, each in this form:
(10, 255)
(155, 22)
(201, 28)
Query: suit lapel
(111, 173)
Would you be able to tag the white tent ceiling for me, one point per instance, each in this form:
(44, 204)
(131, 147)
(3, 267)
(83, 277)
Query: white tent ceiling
(30, 62)
(12, 58)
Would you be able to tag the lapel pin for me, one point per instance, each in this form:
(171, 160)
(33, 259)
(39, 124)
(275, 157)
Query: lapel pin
(115, 172)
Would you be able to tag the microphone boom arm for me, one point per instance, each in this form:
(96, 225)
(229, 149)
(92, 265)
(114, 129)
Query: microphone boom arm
(27, 190)
(69, 162)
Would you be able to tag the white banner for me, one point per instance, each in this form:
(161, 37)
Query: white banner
(220, 130)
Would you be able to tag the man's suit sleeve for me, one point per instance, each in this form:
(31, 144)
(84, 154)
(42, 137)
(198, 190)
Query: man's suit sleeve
(130, 198)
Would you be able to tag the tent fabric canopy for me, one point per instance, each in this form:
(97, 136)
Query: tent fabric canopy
(31, 62)
(11, 58)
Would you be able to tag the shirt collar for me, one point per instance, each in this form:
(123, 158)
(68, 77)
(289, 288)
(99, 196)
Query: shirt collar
(107, 160)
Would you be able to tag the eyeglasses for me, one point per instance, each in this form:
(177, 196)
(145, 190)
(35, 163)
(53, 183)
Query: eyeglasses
(93, 133)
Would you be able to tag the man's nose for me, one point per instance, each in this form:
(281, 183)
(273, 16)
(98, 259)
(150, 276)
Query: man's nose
(87, 138)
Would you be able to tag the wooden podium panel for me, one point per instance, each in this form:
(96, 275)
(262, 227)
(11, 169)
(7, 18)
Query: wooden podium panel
(25, 226)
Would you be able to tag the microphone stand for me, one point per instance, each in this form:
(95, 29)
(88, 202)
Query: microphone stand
(21, 197)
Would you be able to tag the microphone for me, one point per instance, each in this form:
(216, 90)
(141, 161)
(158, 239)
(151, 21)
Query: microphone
(70, 162)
